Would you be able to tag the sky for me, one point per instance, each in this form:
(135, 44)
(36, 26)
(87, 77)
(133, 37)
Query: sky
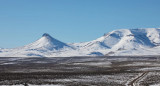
(24, 21)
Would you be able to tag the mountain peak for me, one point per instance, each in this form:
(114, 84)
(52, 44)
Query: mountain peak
(47, 42)
(46, 35)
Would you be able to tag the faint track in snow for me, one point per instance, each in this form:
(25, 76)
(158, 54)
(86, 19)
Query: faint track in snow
(135, 82)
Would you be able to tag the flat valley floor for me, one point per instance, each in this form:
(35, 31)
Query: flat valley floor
(80, 71)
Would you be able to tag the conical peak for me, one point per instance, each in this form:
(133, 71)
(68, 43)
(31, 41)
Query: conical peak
(48, 42)
(46, 35)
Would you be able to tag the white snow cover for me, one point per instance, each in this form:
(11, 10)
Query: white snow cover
(118, 42)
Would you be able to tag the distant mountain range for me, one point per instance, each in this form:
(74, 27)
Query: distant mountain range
(116, 43)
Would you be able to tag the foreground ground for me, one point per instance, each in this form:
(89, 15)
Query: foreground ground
(80, 71)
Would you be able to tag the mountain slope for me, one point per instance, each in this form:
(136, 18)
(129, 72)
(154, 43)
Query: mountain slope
(118, 42)
(124, 40)
(47, 43)
(39, 48)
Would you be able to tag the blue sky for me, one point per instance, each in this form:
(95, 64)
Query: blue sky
(24, 21)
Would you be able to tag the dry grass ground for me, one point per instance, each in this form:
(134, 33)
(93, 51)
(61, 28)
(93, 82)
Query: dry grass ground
(81, 71)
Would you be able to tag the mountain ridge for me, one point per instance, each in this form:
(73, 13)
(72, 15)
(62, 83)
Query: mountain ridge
(118, 42)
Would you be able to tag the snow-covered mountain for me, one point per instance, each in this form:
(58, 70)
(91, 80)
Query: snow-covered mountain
(41, 47)
(47, 43)
(118, 42)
